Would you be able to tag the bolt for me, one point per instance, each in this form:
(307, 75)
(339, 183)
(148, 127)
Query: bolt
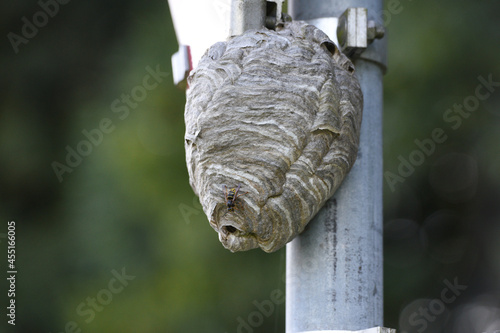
(375, 31)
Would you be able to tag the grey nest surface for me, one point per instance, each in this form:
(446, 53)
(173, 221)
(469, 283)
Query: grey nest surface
(277, 113)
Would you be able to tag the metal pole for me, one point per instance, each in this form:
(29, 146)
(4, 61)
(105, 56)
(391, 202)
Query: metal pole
(334, 268)
(247, 15)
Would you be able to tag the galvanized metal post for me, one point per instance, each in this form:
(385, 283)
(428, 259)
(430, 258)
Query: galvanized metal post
(247, 15)
(334, 269)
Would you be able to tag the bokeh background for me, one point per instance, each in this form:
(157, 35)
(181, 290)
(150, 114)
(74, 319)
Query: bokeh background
(126, 209)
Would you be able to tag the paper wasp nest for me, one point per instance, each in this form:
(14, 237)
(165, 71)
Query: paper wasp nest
(279, 114)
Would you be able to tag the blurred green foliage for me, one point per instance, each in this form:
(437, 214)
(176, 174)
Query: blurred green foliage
(128, 204)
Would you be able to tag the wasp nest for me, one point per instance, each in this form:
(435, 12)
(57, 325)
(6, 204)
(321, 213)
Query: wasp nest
(272, 128)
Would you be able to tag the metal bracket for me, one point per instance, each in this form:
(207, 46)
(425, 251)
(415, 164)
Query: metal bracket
(256, 14)
(274, 14)
(355, 35)
(370, 330)
(181, 66)
(242, 15)
(355, 32)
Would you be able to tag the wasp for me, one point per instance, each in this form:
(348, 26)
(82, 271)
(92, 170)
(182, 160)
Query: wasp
(231, 196)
